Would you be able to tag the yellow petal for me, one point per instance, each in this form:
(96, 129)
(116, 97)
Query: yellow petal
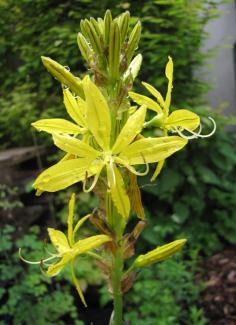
(64, 174)
(98, 114)
(154, 92)
(118, 192)
(76, 283)
(144, 100)
(79, 224)
(57, 125)
(59, 240)
(72, 108)
(70, 218)
(150, 150)
(157, 170)
(57, 267)
(75, 146)
(159, 254)
(84, 245)
(169, 75)
(130, 130)
(183, 118)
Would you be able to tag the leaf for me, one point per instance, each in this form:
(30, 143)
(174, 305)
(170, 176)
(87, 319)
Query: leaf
(183, 118)
(150, 150)
(75, 146)
(73, 108)
(57, 125)
(98, 114)
(130, 130)
(59, 240)
(118, 192)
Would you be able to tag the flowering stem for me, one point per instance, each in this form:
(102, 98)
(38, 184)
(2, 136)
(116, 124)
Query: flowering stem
(116, 287)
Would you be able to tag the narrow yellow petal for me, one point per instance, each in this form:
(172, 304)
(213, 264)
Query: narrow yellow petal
(169, 75)
(144, 100)
(130, 130)
(57, 125)
(77, 286)
(75, 146)
(70, 218)
(159, 254)
(84, 245)
(59, 240)
(57, 267)
(157, 170)
(183, 118)
(73, 108)
(118, 192)
(64, 174)
(98, 114)
(155, 93)
(150, 150)
(79, 224)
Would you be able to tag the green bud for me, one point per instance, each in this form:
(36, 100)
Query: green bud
(107, 26)
(159, 254)
(93, 37)
(134, 67)
(63, 75)
(114, 50)
(84, 47)
(123, 23)
(133, 41)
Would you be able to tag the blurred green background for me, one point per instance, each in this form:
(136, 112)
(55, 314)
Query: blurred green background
(194, 197)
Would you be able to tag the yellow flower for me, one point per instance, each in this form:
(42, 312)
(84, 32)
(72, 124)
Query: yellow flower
(176, 122)
(90, 160)
(67, 249)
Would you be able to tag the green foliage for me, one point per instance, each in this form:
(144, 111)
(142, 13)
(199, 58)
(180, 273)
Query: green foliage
(34, 28)
(166, 294)
(26, 289)
(195, 196)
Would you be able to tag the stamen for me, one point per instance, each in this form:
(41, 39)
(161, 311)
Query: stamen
(198, 134)
(36, 262)
(93, 183)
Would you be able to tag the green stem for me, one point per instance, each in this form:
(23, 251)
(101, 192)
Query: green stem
(116, 286)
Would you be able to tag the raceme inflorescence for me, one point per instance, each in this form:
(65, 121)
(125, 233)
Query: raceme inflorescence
(106, 148)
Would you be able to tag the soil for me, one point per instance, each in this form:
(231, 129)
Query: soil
(218, 299)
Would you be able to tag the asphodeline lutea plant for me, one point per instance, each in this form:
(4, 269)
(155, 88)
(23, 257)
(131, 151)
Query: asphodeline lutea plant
(105, 148)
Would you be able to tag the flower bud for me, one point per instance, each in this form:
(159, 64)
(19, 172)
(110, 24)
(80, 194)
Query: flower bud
(159, 254)
(63, 75)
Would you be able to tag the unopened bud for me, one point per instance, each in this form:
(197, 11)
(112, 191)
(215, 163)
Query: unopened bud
(159, 254)
(63, 75)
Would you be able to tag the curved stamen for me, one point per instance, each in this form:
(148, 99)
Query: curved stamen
(197, 134)
(132, 169)
(36, 262)
(93, 183)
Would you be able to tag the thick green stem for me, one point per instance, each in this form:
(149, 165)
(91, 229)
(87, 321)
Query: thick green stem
(116, 287)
